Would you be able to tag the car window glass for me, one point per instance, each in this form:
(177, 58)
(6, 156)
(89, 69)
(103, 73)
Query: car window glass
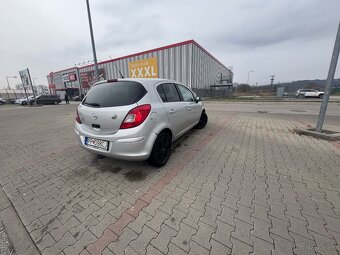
(161, 93)
(170, 92)
(186, 93)
(114, 94)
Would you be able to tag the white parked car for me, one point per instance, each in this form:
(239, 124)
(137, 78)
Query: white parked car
(137, 119)
(302, 93)
(23, 100)
(2, 101)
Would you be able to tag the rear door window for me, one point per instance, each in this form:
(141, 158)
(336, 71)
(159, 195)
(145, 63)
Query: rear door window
(168, 92)
(114, 94)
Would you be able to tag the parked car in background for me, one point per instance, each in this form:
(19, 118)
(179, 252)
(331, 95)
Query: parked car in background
(23, 100)
(137, 119)
(302, 93)
(2, 101)
(46, 99)
(76, 98)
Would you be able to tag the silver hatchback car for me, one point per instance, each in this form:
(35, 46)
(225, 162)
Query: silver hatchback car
(137, 119)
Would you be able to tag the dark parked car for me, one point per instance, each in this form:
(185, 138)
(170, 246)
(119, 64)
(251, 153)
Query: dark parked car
(46, 99)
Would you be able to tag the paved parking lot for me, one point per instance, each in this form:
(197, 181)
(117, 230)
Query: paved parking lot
(244, 184)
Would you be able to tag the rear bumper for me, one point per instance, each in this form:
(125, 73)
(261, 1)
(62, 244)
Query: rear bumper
(121, 145)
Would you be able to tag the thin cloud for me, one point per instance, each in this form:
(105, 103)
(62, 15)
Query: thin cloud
(292, 39)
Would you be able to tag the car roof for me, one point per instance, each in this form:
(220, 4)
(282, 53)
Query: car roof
(147, 82)
(140, 80)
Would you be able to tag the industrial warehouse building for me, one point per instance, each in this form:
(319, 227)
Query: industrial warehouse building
(186, 62)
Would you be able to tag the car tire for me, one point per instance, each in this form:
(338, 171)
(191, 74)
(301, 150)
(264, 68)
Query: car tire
(301, 96)
(320, 96)
(161, 150)
(203, 121)
(55, 102)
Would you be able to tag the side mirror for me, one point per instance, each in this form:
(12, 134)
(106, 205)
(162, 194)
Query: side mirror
(197, 99)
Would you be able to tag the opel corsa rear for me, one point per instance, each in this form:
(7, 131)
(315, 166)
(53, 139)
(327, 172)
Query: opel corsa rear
(137, 119)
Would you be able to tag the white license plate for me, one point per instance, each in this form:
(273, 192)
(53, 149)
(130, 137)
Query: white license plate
(97, 143)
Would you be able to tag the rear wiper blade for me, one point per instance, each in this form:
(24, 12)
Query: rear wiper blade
(92, 104)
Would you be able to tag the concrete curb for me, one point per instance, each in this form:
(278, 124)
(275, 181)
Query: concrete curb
(326, 135)
(6, 246)
(19, 241)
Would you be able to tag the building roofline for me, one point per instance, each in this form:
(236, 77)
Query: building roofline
(67, 69)
(150, 51)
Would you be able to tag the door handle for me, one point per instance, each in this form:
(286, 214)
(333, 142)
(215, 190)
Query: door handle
(172, 111)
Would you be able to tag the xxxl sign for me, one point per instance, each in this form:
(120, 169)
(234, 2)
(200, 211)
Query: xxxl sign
(146, 68)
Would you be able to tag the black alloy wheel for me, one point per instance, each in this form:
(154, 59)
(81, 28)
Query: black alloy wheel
(203, 121)
(161, 150)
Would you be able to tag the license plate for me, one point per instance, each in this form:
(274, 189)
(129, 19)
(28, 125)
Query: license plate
(97, 143)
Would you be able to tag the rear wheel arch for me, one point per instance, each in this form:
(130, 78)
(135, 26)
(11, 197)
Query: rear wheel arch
(168, 131)
(161, 149)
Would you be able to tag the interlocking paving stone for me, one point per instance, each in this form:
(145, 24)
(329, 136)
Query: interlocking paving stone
(219, 248)
(86, 239)
(262, 247)
(303, 245)
(261, 230)
(120, 244)
(139, 222)
(143, 240)
(242, 232)
(175, 219)
(240, 247)
(196, 249)
(163, 239)
(174, 250)
(227, 215)
(244, 184)
(156, 222)
(203, 235)
(280, 228)
(182, 239)
(223, 233)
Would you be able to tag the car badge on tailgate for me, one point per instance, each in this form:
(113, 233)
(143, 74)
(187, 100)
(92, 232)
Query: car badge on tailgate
(94, 116)
(114, 117)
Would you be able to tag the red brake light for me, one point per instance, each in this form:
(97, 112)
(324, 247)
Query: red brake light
(78, 117)
(136, 116)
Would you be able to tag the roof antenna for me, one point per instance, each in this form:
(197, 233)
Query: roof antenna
(117, 68)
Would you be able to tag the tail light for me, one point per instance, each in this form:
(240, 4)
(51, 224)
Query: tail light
(136, 116)
(78, 117)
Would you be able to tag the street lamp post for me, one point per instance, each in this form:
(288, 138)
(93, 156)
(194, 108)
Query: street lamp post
(249, 76)
(92, 41)
(14, 77)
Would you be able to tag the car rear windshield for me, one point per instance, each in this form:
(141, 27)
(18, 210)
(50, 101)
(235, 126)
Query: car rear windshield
(114, 94)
